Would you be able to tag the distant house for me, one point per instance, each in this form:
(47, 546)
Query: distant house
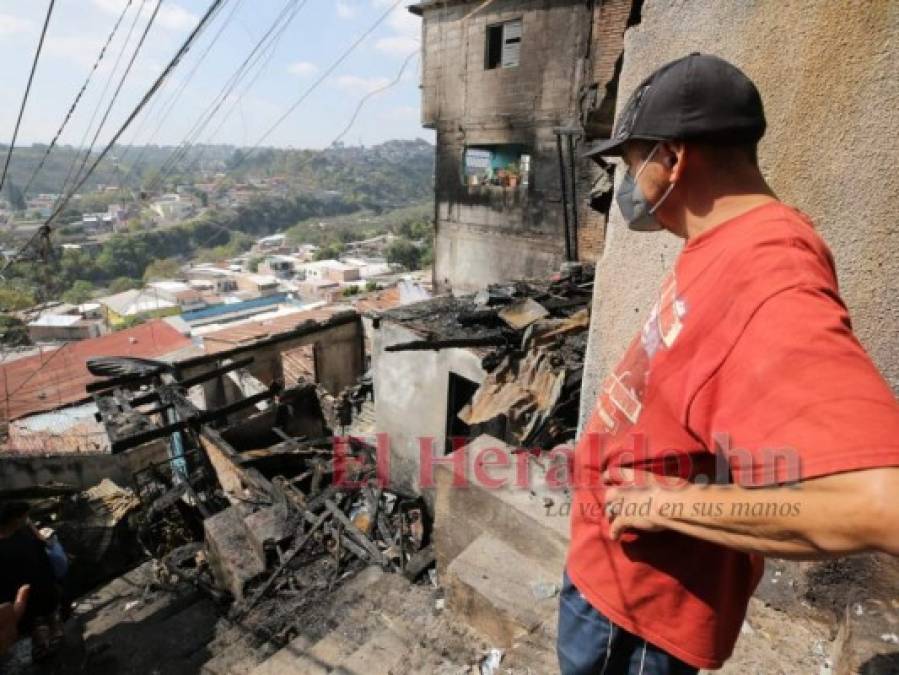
(271, 243)
(258, 284)
(280, 266)
(332, 270)
(224, 279)
(64, 328)
(138, 303)
(321, 289)
(172, 207)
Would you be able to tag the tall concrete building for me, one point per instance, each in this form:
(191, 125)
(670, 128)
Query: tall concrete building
(512, 87)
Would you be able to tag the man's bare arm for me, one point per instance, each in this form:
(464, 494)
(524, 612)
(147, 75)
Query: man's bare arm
(820, 518)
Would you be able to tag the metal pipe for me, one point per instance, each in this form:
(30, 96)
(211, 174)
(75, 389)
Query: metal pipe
(574, 221)
(564, 189)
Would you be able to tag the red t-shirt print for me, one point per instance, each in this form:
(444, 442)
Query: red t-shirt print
(748, 341)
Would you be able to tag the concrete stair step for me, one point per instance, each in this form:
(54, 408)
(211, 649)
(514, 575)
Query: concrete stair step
(301, 657)
(381, 654)
(500, 592)
(530, 518)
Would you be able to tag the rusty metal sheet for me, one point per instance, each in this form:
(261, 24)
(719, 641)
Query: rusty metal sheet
(521, 314)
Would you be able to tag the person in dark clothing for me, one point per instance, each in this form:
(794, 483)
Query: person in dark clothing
(24, 562)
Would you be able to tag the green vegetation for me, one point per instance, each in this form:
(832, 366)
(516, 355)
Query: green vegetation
(80, 292)
(164, 268)
(405, 253)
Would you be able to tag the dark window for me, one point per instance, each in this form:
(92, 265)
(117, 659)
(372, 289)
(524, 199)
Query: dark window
(503, 45)
(459, 393)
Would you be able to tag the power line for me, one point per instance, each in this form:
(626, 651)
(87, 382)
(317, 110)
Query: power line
(185, 47)
(315, 85)
(115, 94)
(285, 16)
(37, 56)
(372, 94)
(269, 53)
(90, 124)
(176, 95)
(78, 96)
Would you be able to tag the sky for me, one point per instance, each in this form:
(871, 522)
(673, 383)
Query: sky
(319, 33)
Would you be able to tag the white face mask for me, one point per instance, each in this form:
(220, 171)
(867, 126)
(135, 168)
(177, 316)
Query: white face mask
(636, 209)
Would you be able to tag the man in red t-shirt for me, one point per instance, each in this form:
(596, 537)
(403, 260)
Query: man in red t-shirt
(744, 420)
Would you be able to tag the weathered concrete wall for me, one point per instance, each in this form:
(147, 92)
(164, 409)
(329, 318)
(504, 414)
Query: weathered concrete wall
(487, 234)
(827, 73)
(411, 397)
(19, 472)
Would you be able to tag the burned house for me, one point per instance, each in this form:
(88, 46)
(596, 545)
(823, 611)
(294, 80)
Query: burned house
(505, 362)
(512, 89)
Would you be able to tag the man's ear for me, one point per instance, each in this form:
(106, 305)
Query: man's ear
(675, 158)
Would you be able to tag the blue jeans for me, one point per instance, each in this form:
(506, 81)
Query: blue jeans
(590, 644)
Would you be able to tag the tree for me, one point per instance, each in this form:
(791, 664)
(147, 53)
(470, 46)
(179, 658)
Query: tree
(130, 322)
(372, 286)
(80, 292)
(13, 332)
(13, 299)
(166, 268)
(253, 264)
(350, 290)
(14, 196)
(123, 284)
(405, 253)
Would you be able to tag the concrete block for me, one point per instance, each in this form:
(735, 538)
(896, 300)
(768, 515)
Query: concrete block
(232, 557)
(492, 587)
(268, 525)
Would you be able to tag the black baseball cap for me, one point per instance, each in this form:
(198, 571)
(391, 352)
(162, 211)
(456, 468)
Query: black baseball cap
(699, 96)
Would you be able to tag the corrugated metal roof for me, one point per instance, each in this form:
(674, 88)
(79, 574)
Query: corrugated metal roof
(56, 378)
(249, 332)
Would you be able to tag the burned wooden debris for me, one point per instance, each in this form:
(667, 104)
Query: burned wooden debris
(531, 337)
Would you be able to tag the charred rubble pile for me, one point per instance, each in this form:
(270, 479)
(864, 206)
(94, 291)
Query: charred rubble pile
(257, 506)
(532, 336)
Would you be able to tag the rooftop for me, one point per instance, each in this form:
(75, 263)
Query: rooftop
(253, 331)
(136, 301)
(52, 379)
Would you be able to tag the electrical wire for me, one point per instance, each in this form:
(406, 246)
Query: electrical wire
(115, 94)
(109, 79)
(270, 51)
(175, 98)
(78, 96)
(313, 87)
(173, 63)
(285, 16)
(37, 56)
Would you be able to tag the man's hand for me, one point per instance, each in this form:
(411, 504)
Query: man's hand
(10, 615)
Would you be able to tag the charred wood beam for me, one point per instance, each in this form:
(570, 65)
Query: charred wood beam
(424, 345)
(193, 418)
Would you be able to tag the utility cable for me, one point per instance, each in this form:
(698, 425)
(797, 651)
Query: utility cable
(284, 17)
(109, 79)
(115, 94)
(176, 95)
(37, 56)
(78, 96)
(185, 47)
(270, 51)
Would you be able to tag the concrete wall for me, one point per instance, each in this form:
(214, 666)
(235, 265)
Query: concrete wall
(827, 73)
(19, 472)
(411, 396)
(487, 234)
